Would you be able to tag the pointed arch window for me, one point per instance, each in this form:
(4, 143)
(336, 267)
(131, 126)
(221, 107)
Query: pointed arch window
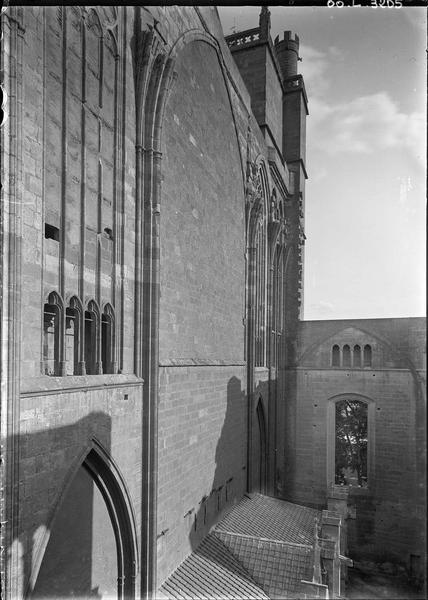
(335, 356)
(50, 339)
(74, 337)
(71, 341)
(53, 313)
(357, 356)
(346, 356)
(367, 355)
(260, 274)
(92, 335)
(107, 340)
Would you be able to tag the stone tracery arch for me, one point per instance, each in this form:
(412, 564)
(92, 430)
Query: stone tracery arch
(106, 476)
(154, 77)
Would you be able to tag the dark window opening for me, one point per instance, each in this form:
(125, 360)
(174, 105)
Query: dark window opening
(357, 356)
(351, 443)
(71, 341)
(106, 345)
(335, 357)
(108, 232)
(367, 355)
(51, 232)
(50, 339)
(90, 342)
(346, 356)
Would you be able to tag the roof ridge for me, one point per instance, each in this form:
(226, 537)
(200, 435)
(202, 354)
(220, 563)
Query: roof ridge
(261, 539)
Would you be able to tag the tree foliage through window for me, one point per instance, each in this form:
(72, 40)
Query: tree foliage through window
(351, 443)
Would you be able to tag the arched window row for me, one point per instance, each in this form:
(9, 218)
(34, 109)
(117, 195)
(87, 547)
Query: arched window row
(77, 340)
(348, 356)
(266, 227)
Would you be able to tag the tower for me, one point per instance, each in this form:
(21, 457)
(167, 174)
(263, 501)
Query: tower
(295, 110)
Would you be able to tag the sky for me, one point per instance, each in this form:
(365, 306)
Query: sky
(365, 75)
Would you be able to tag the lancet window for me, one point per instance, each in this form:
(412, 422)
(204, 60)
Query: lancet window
(260, 273)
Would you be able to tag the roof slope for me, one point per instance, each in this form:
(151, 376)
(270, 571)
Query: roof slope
(271, 518)
(212, 571)
(262, 548)
(278, 567)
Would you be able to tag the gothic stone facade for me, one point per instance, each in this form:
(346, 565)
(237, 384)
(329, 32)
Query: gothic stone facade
(152, 241)
(153, 368)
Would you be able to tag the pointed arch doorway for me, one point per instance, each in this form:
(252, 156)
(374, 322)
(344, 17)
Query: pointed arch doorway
(262, 455)
(91, 551)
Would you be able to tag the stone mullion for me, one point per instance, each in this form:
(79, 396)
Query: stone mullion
(273, 293)
(158, 89)
(264, 290)
(251, 330)
(100, 232)
(12, 171)
(98, 260)
(150, 356)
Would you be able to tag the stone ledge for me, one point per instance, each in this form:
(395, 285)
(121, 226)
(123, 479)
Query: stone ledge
(43, 385)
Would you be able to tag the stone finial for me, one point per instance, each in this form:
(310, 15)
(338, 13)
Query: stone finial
(264, 23)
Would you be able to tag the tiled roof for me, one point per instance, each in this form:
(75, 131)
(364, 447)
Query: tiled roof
(261, 516)
(278, 567)
(211, 571)
(261, 549)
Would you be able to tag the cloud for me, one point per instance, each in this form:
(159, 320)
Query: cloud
(366, 124)
(313, 68)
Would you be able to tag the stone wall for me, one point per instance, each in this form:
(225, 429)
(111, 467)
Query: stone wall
(133, 162)
(387, 518)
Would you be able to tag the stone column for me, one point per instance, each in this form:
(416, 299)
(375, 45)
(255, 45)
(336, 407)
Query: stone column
(11, 138)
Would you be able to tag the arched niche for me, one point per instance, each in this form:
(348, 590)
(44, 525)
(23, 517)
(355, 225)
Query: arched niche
(201, 220)
(260, 456)
(90, 549)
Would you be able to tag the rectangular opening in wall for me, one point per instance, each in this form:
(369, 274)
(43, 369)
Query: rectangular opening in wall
(351, 442)
(51, 232)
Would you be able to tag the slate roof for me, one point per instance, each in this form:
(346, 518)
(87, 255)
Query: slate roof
(277, 567)
(262, 548)
(271, 518)
(211, 572)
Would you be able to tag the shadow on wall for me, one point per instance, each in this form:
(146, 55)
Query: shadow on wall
(229, 482)
(262, 412)
(67, 544)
